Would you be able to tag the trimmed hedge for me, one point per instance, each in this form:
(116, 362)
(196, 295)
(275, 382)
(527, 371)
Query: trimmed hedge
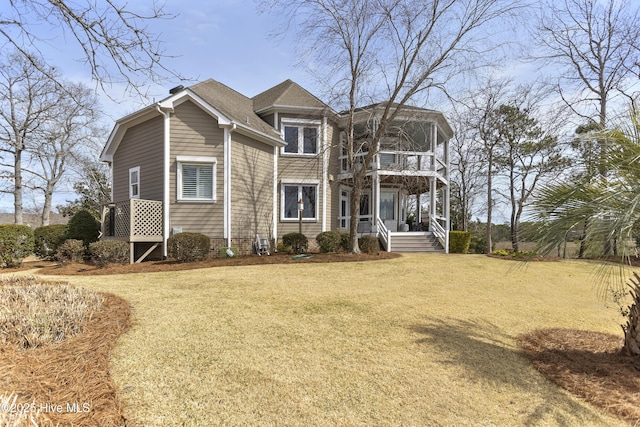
(369, 245)
(72, 250)
(186, 247)
(47, 239)
(459, 242)
(16, 243)
(298, 243)
(344, 241)
(83, 226)
(329, 241)
(107, 252)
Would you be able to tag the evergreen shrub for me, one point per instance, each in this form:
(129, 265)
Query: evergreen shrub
(298, 243)
(47, 239)
(329, 241)
(16, 243)
(187, 247)
(72, 250)
(107, 252)
(459, 242)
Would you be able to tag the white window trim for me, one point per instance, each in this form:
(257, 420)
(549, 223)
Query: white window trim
(195, 160)
(298, 183)
(131, 195)
(301, 123)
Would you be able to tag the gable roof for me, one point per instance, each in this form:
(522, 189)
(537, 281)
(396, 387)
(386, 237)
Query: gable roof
(230, 108)
(235, 106)
(287, 94)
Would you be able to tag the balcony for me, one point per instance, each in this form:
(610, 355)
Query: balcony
(407, 163)
(133, 220)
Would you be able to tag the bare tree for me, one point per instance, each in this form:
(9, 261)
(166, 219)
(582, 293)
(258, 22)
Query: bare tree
(114, 39)
(388, 52)
(70, 129)
(25, 102)
(468, 167)
(597, 45)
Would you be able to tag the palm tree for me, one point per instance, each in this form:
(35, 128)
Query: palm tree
(612, 204)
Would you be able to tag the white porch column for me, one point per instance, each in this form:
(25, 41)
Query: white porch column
(433, 196)
(375, 195)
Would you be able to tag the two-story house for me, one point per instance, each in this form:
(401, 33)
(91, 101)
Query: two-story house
(208, 159)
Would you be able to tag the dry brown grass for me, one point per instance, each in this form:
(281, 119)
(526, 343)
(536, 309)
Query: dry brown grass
(417, 340)
(34, 312)
(47, 381)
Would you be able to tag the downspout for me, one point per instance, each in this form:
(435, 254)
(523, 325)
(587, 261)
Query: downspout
(227, 182)
(276, 153)
(165, 185)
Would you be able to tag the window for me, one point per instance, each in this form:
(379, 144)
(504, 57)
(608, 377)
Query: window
(134, 183)
(196, 178)
(301, 138)
(292, 193)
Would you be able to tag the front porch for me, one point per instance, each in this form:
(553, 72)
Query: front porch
(135, 221)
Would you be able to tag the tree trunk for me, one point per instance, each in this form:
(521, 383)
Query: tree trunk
(46, 208)
(632, 328)
(17, 195)
(489, 203)
(354, 211)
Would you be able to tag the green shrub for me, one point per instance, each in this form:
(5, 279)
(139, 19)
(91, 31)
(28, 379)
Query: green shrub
(502, 252)
(83, 226)
(107, 252)
(186, 247)
(281, 247)
(329, 241)
(72, 250)
(344, 242)
(16, 243)
(297, 242)
(47, 239)
(369, 245)
(459, 242)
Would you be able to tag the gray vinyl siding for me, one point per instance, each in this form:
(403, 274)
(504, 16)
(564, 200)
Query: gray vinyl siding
(196, 133)
(333, 190)
(142, 146)
(251, 187)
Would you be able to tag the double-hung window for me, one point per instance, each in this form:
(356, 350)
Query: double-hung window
(292, 193)
(134, 183)
(196, 178)
(302, 137)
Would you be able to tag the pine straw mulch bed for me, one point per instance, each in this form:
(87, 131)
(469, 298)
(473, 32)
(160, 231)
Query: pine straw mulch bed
(590, 366)
(160, 266)
(74, 370)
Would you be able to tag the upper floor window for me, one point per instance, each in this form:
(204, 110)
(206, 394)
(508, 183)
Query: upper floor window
(302, 137)
(134, 183)
(196, 178)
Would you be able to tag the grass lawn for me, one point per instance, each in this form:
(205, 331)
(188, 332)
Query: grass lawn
(417, 340)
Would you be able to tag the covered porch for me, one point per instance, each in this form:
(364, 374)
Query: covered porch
(135, 221)
(407, 211)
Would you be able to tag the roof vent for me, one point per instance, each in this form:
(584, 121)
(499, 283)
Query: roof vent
(176, 89)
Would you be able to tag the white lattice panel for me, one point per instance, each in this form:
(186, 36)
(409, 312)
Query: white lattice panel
(147, 218)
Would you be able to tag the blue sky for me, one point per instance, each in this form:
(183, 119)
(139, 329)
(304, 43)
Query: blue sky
(227, 40)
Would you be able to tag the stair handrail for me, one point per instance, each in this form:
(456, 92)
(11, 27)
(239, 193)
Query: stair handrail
(384, 234)
(439, 231)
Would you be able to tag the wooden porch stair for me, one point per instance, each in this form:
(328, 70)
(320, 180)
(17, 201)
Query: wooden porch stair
(415, 242)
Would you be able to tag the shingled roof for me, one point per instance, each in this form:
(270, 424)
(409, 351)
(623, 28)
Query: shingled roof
(287, 94)
(232, 104)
